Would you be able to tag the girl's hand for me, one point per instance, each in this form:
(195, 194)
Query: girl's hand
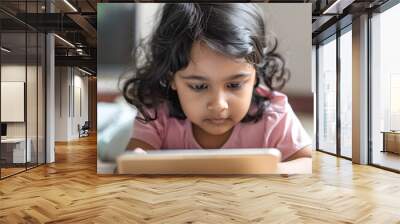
(139, 151)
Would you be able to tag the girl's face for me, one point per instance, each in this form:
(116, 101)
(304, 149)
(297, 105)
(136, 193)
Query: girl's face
(214, 91)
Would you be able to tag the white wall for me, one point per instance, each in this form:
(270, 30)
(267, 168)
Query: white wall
(145, 21)
(81, 84)
(33, 126)
(12, 73)
(70, 83)
(291, 23)
(12, 101)
(62, 81)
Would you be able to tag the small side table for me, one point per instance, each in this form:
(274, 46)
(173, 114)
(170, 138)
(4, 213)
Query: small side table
(391, 141)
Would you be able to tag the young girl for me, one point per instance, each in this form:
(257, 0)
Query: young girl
(209, 80)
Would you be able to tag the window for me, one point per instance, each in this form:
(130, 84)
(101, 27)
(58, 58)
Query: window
(327, 96)
(385, 87)
(346, 92)
(22, 68)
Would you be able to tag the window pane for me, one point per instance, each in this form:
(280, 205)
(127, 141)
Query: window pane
(346, 94)
(386, 88)
(327, 96)
(41, 98)
(15, 150)
(31, 97)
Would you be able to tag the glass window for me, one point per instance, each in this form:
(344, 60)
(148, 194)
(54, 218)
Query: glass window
(14, 148)
(31, 97)
(327, 96)
(385, 84)
(22, 89)
(41, 99)
(346, 94)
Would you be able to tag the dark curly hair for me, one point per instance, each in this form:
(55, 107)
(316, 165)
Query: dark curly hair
(236, 30)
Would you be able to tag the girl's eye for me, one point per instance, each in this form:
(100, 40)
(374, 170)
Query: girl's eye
(198, 87)
(234, 85)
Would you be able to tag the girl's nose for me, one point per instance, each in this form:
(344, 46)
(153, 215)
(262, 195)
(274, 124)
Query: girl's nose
(218, 103)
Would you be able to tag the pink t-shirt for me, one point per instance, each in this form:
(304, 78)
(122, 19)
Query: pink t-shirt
(279, 128)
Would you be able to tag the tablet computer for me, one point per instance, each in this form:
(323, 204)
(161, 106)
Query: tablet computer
(200, 161)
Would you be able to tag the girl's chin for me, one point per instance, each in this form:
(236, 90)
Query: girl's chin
(216, 130)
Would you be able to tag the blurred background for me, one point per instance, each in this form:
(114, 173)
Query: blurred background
(128, 23)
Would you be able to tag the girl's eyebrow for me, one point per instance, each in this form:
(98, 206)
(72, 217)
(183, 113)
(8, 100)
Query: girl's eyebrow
(237, 76)
(202, 78)
(195, 77)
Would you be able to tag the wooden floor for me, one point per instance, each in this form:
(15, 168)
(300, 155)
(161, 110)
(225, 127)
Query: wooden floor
(10, 171)
(70, 191)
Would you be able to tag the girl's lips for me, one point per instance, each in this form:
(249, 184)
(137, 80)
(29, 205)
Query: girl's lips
(217, 120)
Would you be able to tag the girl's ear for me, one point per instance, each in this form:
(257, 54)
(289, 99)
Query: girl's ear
(172, 83)
(171, 80)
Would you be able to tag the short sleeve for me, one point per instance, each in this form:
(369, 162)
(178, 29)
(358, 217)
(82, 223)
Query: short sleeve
(288, 135)
(151, 132)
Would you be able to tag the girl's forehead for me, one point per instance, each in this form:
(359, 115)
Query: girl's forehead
(201, 51)
(207, 62)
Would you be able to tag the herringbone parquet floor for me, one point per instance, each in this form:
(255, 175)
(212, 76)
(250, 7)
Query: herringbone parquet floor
(70, 191)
